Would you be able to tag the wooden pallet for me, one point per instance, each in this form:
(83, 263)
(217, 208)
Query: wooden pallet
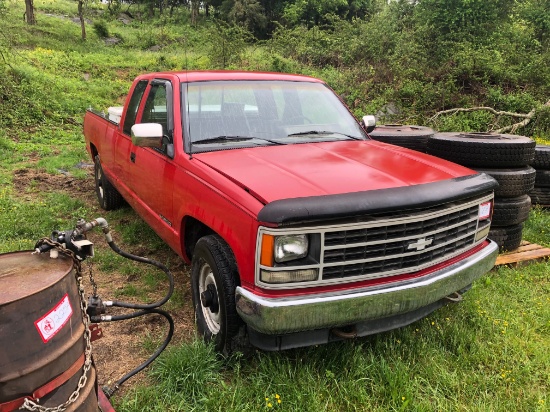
(526, 253)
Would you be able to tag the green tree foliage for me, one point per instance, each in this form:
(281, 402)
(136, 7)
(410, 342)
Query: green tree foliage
(312, 12)
(536, 14)
(227, 45)
(249, 14)
(463, 19)
(413, 56)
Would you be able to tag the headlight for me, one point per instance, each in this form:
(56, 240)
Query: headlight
(290, 247)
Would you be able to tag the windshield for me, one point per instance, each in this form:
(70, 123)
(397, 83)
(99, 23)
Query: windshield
(231, 114)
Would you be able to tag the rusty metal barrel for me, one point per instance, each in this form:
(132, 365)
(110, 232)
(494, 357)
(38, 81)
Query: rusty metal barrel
(42, 340)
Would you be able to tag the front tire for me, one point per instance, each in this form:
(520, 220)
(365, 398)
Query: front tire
(214, 279)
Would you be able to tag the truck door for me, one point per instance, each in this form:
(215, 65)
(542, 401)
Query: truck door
(123, 142)
(153, 170)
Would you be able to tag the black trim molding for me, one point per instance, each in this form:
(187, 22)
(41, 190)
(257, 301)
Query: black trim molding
(303, 209)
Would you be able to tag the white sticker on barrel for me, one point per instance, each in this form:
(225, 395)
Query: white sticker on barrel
(52, 322)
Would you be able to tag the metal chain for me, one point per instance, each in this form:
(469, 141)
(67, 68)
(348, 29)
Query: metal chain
(91, 275)
(33, 406)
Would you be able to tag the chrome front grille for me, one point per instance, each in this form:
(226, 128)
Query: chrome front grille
(404, 230)
(420, 240)
(382, 246)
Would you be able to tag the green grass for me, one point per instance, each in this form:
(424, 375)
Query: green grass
(489, 353)
(23, 222)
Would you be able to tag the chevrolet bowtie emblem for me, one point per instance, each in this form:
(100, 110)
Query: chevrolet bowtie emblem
(421, 243)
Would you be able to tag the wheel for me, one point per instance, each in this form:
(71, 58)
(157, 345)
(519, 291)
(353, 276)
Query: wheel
(107, 195)
(512, 182)
(411, 137)
(483, 149)
(214, 278)
(543, 178)
(542, 157)
(540, 196)
(511, 211)
(507, 238)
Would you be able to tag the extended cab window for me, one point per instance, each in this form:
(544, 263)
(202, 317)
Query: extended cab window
(133, 106)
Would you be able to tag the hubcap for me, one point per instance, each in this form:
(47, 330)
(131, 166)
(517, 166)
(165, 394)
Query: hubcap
(209, 298)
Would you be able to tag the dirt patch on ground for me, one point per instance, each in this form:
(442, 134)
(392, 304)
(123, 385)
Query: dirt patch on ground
(29, 182)
(125, 344)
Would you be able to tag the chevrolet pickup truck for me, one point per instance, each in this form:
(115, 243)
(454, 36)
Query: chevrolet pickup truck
(298, 227)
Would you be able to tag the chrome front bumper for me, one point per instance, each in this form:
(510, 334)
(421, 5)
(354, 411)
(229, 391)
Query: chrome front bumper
(286, 315)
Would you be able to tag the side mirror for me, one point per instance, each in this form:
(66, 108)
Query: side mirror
(147, 135)
(369, 123)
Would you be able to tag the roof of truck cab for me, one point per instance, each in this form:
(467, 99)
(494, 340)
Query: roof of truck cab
(220, 75)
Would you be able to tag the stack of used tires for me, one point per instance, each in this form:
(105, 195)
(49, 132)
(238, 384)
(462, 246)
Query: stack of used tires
(540, 194)
(504, 157)
(411, 137)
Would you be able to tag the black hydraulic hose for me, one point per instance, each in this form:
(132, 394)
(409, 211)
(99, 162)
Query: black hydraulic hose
(141, 259)
(83, 227)
(142, 309)
(115, 318)
(110, 391)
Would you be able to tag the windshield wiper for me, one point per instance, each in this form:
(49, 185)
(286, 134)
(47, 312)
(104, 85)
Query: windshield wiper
(323, 132)
(222, 138)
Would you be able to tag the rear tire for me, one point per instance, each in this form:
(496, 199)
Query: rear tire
(483, 149)
(507, 238)
(109, 198)
(411, 137)
(542, 157)
(540, 196)
(512, 182)
(214, 278)
(543, 178)
(511, 211)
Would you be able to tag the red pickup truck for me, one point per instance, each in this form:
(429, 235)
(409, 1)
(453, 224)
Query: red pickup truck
(299, 228)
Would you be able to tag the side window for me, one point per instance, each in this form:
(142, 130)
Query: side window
(133, 106)
(158, 109)
(155, 110)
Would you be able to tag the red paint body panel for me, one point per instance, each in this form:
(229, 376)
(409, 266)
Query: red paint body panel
(225, 190)
(316, 169)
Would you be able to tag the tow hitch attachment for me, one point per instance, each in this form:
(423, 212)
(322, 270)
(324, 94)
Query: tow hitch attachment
(455, 297)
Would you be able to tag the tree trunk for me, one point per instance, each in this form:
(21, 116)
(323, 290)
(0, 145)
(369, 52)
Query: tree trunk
(29, 12)
(195, 4)
(81, 17)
